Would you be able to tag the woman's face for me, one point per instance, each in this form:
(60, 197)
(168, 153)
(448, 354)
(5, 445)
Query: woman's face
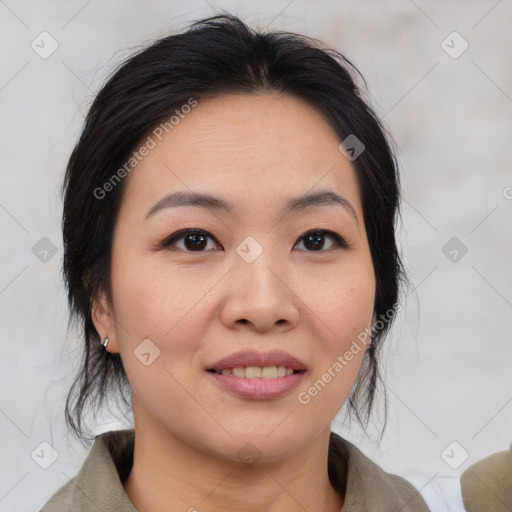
(250, 281)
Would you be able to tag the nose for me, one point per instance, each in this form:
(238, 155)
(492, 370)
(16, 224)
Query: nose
(260, 297)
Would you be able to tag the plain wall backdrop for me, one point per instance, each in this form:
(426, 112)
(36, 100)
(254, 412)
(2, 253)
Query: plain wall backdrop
(439, 75)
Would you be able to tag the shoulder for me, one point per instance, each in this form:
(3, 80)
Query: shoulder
(369, 487)
(487, 484)
(98, 484)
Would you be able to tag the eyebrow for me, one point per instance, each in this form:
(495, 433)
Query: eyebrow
(209, 202)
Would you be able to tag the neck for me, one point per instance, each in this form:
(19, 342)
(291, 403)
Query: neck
(168, 472)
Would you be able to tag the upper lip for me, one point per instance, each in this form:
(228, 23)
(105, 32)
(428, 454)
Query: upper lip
(246, 358)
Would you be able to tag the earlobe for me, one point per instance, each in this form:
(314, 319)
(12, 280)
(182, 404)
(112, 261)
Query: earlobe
(103, 320)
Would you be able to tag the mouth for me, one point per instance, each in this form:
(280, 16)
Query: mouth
(254, 364)
(257, 372)
(258, 375)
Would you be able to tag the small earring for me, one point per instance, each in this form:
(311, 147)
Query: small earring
(105, 343)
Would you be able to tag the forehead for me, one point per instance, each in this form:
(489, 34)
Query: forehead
(245, 148)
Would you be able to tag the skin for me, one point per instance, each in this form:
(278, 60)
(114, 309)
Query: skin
(256, 151)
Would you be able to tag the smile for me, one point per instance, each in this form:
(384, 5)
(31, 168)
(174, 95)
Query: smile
(257, 372)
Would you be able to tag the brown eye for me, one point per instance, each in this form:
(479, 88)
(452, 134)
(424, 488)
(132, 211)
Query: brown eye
(314, 241)
(194, 240)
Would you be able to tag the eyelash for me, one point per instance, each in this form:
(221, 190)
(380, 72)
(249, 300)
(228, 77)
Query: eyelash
(340, 243)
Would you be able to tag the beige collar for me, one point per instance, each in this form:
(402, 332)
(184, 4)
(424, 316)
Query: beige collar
(98, 484)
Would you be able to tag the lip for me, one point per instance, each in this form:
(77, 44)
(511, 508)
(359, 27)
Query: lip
(246, 358)
(258, 388)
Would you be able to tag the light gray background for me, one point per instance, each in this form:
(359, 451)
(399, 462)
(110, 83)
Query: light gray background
(449, 355)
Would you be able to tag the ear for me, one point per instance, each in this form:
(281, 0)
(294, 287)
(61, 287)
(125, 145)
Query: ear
(103, 319)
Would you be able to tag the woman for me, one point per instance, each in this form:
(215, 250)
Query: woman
(229, 215)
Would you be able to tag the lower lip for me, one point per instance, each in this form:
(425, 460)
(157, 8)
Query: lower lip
(259, 389)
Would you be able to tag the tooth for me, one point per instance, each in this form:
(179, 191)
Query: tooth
(269, 372)
(252, 371)
(239, 372)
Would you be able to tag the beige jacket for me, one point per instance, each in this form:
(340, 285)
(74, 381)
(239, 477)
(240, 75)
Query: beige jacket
(487, 485)
(98, 485)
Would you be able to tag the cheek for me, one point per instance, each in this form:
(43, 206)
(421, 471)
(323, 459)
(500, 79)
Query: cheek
(344, 312)
(151, 301)
(346, 304)
(344, 315)
(152, 305)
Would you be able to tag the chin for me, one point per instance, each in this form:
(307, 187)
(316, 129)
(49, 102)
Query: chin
(250, 447)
